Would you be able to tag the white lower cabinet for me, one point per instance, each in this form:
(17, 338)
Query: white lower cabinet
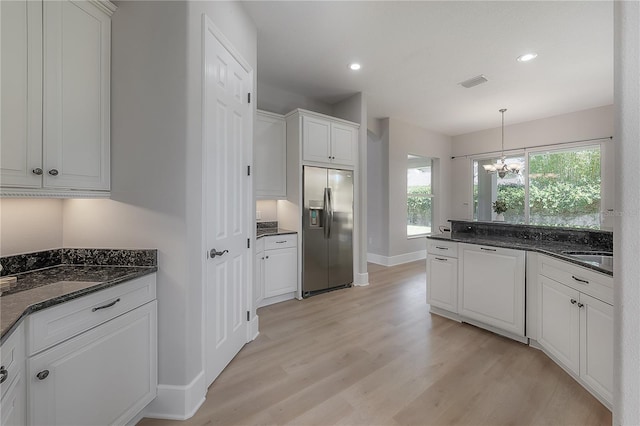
(559, 327)
(442, 282)
(104, 376)
(13, 404)
(275, 269)
(491, 287)
(575, 328)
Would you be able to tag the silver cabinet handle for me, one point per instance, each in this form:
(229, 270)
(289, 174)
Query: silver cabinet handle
(43, 374)
(213, 253)
(574, 301)
(442, 248)
(441, 258)
(487, 249)
(53, 172)
(108, 305)
(580, 305)
(580, 280)
(280, 242)
(37, 171)
(3, 374)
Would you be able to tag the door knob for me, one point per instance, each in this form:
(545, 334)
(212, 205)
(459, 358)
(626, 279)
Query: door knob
(213, 253)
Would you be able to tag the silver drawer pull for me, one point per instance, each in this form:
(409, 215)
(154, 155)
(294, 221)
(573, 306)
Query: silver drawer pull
(280, 242)
(108, 305)
(486, 249)
(43, 374)
(580, 280)
(3, 374)
(441, 258)
(442, 248)
(574, 301)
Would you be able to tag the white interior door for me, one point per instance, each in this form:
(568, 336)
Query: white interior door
(227, 213)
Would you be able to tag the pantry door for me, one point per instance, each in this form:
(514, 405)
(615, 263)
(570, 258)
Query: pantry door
(227, 130)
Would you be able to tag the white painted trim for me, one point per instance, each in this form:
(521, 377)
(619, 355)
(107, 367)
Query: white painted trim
(362, 279)
(322, 116)
(43, 193)
(276, 299)
(178, 402)
(254, 327)
(396, 260)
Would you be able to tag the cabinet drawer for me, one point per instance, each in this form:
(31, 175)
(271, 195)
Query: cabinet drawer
(582, 279)
(12, 357)
(443, 248)
(280, 241)
(54, 325)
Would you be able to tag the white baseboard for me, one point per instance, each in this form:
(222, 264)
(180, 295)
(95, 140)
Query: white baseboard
(396, 260)
(255, 326)
(361, 280)
(178, 402)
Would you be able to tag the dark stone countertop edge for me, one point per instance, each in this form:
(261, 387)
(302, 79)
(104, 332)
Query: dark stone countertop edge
(526, 247)
(279, 231)
(74, 295)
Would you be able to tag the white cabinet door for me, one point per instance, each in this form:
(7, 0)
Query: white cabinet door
(258, 279)
(491, 286)
(14, 403)
(442, 282)
(21, 87)
(596, 345)
(280, 271)
(104, 376)
(559, 322)
(316, 140)
(77, 53)
(270, 156)
(344, 140)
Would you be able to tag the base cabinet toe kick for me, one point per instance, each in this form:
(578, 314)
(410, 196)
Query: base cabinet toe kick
(572, 319)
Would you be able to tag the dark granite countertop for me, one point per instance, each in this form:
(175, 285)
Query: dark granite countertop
(40, 285)
(265, 232)
(551, 248)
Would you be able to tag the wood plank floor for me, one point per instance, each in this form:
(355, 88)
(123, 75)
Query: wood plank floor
(375, 356)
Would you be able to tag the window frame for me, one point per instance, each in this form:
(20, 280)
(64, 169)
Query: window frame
(432, 196)
(526, 152)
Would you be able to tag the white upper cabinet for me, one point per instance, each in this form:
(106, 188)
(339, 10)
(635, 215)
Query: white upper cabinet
(21, 93)
(58, 139)
(328, 141)
(270, 156)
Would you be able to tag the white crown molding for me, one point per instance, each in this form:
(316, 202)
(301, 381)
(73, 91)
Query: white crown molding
(43, 193)
(104, 5)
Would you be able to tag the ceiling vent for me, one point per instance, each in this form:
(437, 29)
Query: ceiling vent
(474, 81)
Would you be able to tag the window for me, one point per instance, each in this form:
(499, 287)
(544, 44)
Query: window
(419, 195)
(563, 188)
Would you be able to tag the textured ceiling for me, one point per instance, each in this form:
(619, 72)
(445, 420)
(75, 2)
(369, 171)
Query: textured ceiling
(414, 54)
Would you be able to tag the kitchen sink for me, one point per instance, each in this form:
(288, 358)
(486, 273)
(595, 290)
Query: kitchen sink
(597, 258)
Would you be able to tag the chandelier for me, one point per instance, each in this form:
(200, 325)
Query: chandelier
(500, 167)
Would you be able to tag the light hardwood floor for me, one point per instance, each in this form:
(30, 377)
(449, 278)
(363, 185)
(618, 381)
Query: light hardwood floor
(375, 356)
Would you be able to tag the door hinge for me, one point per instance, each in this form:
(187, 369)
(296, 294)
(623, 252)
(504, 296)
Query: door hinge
(248, 316)
(248, 170)
(248, 242)
(249, 97)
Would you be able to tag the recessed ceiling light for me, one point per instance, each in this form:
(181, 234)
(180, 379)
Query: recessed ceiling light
(355, 66)
(527, 57)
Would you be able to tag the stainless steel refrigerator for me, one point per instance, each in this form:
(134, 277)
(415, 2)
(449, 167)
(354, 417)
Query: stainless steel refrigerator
(327, 229)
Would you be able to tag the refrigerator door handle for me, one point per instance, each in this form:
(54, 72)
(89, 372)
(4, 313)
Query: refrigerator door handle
(325, 215)
(330, 221)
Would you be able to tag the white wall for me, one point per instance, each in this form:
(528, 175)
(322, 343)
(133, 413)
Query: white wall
(268, 210)
(378, 189)
(156, 149)
(28, 225)
(281, 101)
(388, 187)
(405, 138)
(576, 126)
(626, 394)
